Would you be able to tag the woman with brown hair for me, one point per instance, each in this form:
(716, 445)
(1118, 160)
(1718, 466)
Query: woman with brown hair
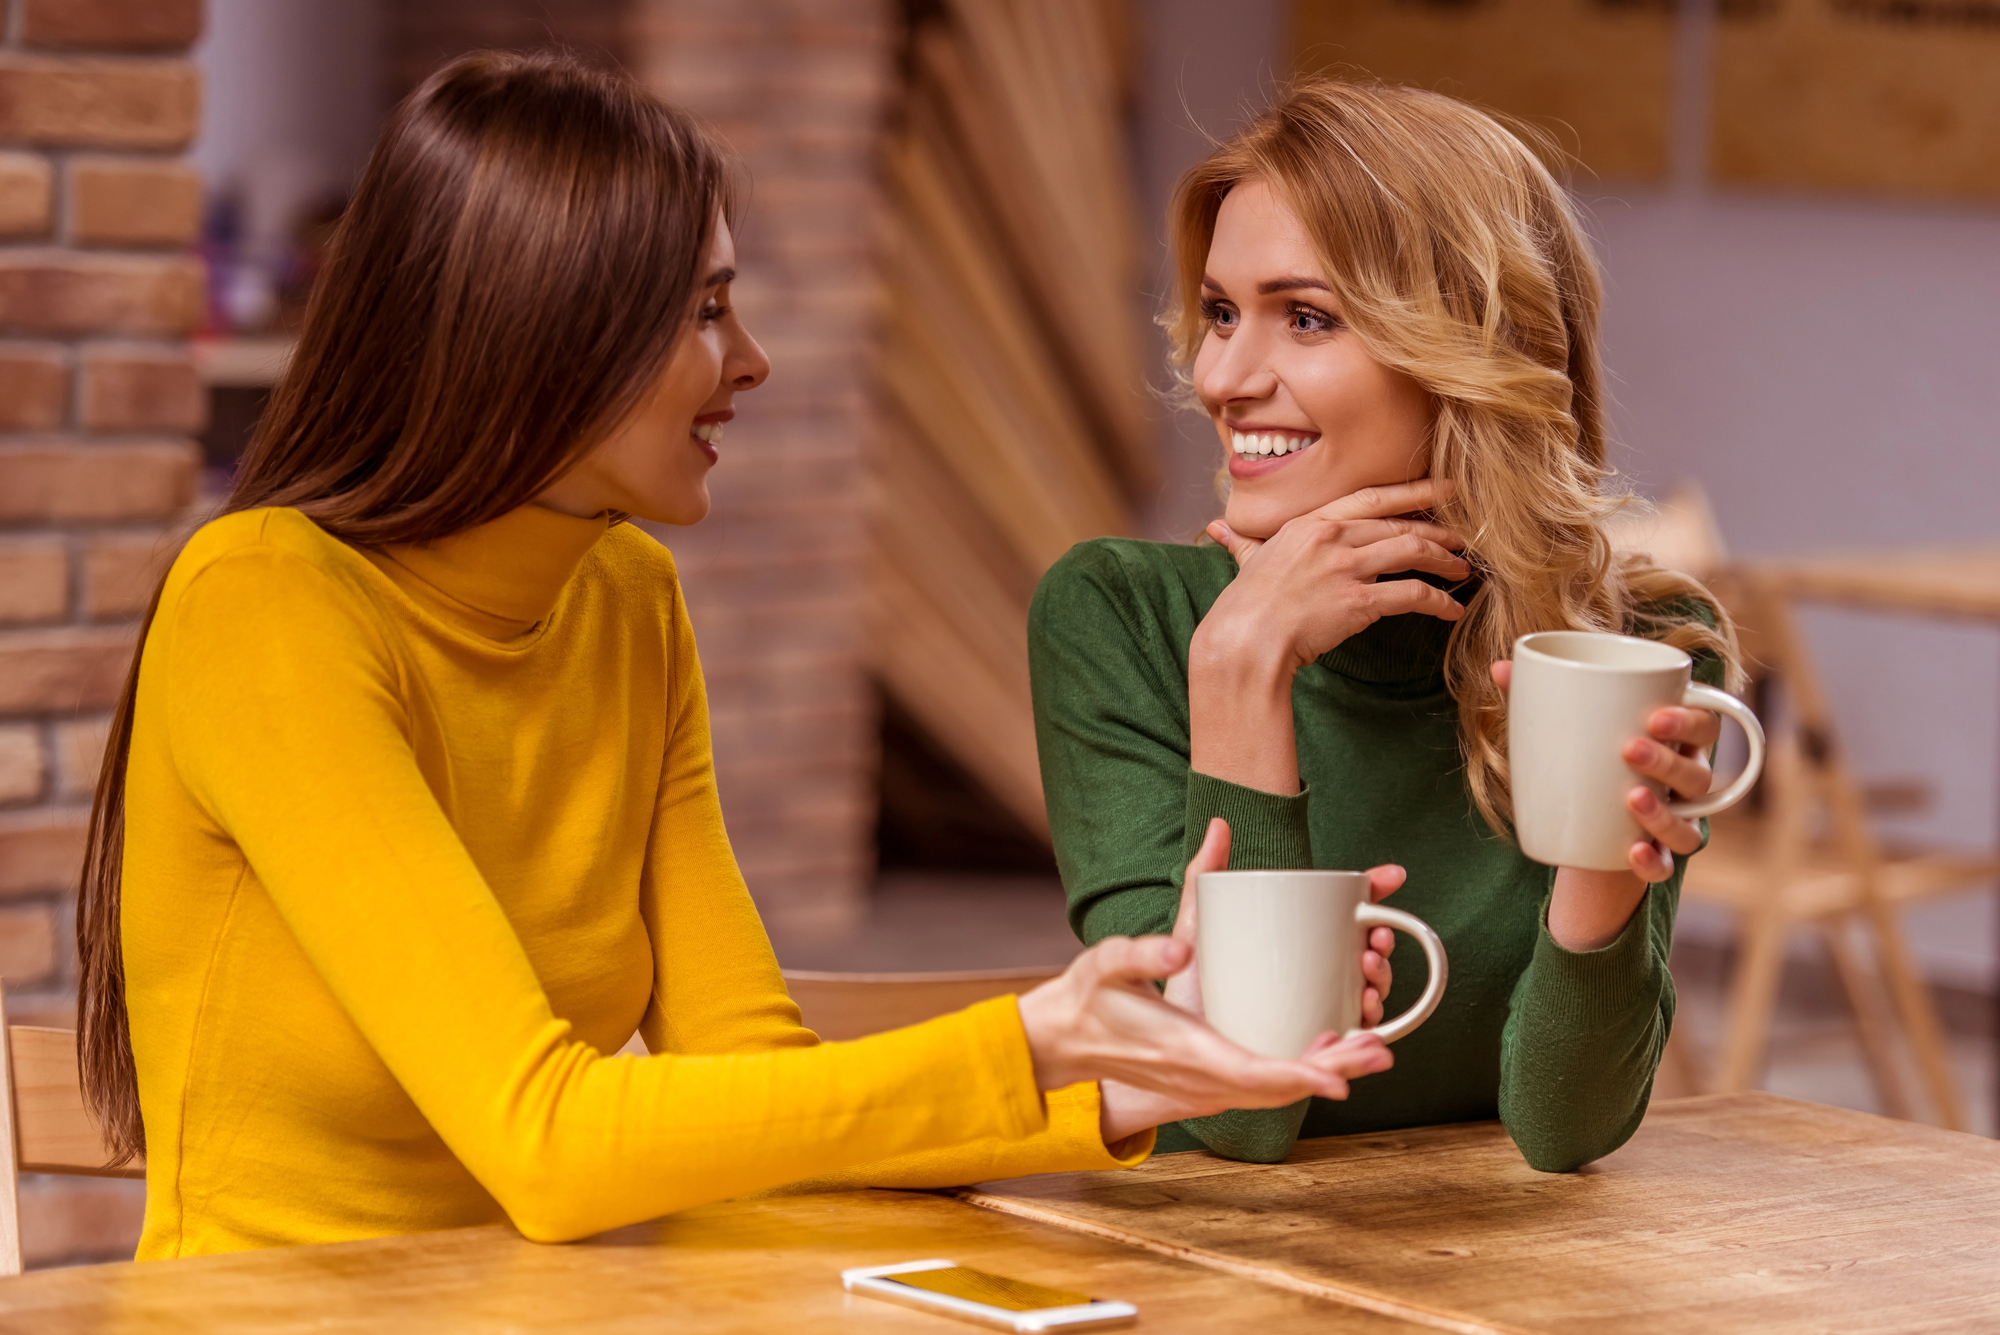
(1385, 304)
(409, 815)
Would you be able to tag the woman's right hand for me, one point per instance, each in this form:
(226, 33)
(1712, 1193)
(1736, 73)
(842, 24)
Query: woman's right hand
(1103, 1020)
(1312, 584)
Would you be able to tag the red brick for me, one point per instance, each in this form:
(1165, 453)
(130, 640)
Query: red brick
(79, 754)
(140, 389)
(134, 203)
(24, 762)
(61, 481)
(34, 579)
(120, 571)
(27, 944)
(34, 387)
(27, 195)
(63, 668)
(79, 103)
(111, 25)
(71, 1220)
(41, 851)
(66, 293)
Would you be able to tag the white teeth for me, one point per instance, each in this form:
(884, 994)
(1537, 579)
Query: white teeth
(711, 432)
(1265, 443)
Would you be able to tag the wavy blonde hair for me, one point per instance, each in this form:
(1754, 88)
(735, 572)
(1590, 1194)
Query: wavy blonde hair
(1458, 260)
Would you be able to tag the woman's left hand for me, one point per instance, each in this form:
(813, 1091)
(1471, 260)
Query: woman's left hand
(1674, 752)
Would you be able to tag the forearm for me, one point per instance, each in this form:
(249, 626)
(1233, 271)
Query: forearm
(1240, 713)
(1584, 1038)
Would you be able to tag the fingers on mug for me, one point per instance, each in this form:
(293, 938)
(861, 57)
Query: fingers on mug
(1576, 699)
(1375, 915)
(1720, 702)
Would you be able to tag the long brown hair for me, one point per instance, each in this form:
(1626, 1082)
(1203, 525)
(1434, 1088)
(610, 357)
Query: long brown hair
(1458, 260)
(523, 250)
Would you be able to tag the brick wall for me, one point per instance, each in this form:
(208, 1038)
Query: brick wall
(800, 89)
(97, 398)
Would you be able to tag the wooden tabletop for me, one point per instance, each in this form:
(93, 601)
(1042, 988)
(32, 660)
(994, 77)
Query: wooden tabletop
(1740, 1212)
(752, 1266)
(1958, 582)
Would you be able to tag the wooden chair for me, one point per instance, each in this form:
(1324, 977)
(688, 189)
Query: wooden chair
(1804, 855)
(840, 1006)
(44, 1127)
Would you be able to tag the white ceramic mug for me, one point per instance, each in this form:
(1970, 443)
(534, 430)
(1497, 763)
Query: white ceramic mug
(1280, 957)
(1576, 698)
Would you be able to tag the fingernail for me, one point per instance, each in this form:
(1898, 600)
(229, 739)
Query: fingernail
(1646, 800)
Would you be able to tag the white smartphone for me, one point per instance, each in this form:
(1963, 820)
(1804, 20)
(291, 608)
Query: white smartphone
(951, 1289)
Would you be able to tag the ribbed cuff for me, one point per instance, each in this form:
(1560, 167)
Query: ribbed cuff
(1266, 832)
(1003, 1064)
(1251, 1135)
(1595, 986)
(1076, 1135)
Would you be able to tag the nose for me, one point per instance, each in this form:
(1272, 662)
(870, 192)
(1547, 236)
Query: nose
(1241, 371)
(747, 365)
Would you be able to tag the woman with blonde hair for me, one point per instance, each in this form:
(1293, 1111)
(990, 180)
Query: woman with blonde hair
(1385, 303)
(409, 821)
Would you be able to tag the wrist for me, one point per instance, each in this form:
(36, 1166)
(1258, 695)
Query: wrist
(1588, 910)
(1238, 658)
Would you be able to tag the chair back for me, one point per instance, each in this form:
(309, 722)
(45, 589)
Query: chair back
(44, 1126)
(840, 1006)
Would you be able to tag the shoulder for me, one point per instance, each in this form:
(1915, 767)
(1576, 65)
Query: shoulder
(270, 552)
(1138, 579)
(637, 573)
(1689, 621)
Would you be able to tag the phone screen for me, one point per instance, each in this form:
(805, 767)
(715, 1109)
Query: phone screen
(978, 1286)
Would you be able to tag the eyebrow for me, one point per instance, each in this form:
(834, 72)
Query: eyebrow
(1291, 283)
(719, 277)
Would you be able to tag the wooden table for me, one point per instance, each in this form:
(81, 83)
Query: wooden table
(1738, 1212)
(753, 1266)
(1961, 583)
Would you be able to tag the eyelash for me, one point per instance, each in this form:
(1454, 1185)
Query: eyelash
(709, 313)
(1213, 311)
(1298, 310)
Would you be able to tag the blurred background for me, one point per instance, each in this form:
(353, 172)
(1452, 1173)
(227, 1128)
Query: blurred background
(954, 252)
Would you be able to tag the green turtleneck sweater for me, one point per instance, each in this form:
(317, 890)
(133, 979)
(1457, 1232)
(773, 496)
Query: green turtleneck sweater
(1560, 1045)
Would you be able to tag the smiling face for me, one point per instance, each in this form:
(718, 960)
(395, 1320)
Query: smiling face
(654, 463)
(1306, 414)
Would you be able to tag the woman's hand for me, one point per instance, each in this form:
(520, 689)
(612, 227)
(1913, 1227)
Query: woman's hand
(1305, 590)
(1673, 753)
(1102, 1020)
(1184, 988)
(1312, 584)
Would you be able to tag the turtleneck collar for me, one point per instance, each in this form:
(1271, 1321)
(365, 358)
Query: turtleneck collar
(1398, 649)
(502, 578)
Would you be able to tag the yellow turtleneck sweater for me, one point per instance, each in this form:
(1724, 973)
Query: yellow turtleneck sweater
(414, 838)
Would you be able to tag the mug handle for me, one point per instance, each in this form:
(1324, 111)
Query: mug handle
(1374, 915)
(1707, 697)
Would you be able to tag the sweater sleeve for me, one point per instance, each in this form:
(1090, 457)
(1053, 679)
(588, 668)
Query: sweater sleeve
(718, 989)
(1125, 810)
(287, 723)
(1586, 1029)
